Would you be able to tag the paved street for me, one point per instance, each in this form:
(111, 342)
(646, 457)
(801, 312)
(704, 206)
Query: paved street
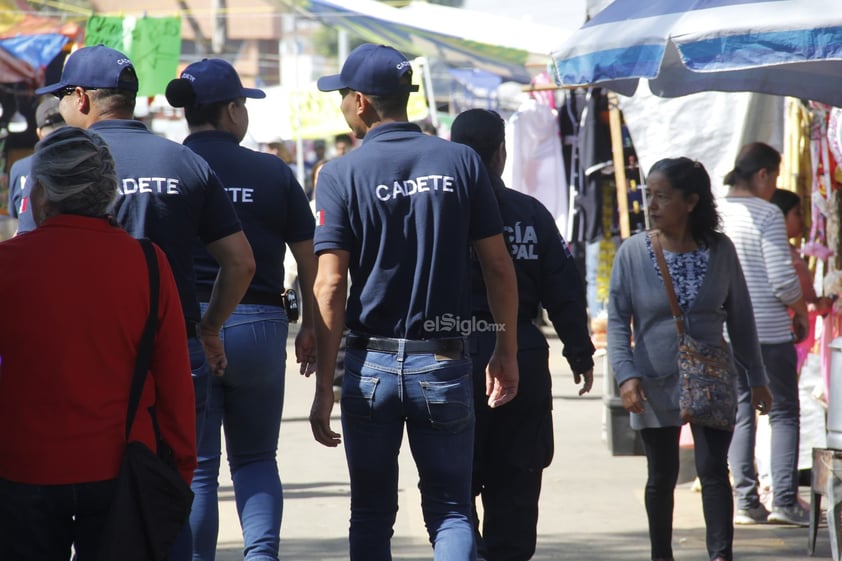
(591, 504)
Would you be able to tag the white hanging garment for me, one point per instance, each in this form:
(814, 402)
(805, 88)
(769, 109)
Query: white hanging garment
(535, 163)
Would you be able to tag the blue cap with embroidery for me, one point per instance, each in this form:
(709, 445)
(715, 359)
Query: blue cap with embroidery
(92, 68)
(214, 80)
(371, 69)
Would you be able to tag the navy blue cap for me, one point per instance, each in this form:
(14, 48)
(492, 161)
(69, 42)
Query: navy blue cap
(93, 67)
(371, 69)
(214, 79)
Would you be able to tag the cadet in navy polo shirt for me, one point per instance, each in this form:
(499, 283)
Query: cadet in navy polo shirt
(47, 119)
(515, 443)
(165, 193)
(400, 213)
(249, 399)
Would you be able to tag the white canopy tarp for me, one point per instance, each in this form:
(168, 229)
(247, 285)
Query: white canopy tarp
(503, 45)
(710, 127)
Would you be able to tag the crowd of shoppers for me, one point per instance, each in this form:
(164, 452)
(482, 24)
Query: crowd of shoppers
(405, 226)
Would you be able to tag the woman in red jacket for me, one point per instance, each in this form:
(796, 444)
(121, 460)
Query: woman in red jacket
(76, 300)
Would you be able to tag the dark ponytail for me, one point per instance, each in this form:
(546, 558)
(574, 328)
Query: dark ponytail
(751, 159)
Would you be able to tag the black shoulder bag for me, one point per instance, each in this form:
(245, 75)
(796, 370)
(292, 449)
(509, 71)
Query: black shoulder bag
(151, 502)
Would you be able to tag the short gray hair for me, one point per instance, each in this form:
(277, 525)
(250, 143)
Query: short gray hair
(76, 170)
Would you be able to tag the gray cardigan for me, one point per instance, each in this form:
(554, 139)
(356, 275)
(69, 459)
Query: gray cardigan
(637, 298)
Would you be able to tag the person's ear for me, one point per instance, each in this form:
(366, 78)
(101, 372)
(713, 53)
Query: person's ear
(362, 103)
(233, 112)
(81, 99)
(692, 201)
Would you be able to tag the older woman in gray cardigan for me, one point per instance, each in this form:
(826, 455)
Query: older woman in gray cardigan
(711, 292)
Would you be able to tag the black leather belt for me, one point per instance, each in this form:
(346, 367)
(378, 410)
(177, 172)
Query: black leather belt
(262, 298)
(411, 346)
(192, 328)
(250, 297)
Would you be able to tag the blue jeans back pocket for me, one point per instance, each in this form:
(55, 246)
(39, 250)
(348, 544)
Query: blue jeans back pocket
(449, 403)
(358, 395)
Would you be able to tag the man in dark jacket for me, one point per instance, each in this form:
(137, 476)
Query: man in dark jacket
(515, 443)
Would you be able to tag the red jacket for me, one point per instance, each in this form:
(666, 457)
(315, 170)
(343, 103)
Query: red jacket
(76, 298)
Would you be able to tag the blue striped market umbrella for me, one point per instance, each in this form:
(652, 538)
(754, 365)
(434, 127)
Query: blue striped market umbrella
(782, 47)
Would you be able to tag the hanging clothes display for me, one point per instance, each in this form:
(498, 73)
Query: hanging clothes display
(535, 164)
(810, 168)
(595, 168)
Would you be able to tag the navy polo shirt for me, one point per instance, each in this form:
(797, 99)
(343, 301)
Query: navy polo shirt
(406, 206)
(170, 195)
(19, 188)
(269, 201)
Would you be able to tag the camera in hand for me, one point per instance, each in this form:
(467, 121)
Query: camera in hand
(290, 300)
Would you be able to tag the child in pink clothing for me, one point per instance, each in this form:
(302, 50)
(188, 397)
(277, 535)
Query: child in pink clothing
(790, 205)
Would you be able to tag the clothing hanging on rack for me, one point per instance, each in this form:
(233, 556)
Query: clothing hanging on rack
(535, 164)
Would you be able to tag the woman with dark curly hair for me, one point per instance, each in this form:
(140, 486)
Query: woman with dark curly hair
(711, 292)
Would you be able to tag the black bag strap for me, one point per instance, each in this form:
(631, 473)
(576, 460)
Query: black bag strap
(654, 237)
(144, 352)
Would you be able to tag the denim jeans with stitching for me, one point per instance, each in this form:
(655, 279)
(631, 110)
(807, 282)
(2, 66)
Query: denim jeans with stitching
(784, 419)
(433, 397)
(247, 402)
(200, 370)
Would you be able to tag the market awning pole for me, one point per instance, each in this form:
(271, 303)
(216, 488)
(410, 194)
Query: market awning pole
(616, 129)
(427, 76)
(300, 172)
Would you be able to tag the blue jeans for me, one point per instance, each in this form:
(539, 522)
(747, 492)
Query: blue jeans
(434, 398)
(41, 522)
(780, 360)
(247, 401)
(183, 547)
(201, 383)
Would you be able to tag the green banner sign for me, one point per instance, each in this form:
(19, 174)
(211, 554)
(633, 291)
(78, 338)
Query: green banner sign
(153, 45)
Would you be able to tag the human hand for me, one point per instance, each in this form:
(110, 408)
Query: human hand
(800, 325)
(761, 399)
(214, 351)
(320, 418)
(632, 395)
(822, 306)
(501, 379)
(588, 380)
(305, 350)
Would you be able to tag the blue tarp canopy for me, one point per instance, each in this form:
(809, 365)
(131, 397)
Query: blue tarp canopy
(781, 47)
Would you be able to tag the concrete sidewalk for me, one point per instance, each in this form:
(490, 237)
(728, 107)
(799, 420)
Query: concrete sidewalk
(591, 504)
